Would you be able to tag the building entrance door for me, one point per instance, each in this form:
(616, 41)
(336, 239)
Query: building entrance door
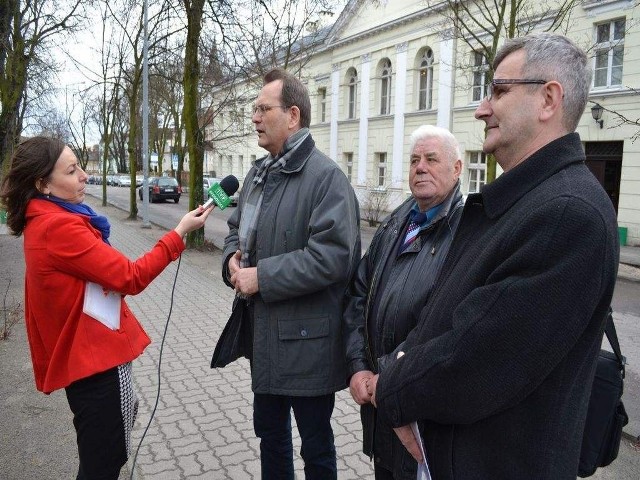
(604, 159)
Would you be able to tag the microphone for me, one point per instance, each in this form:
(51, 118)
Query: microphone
(219, 193)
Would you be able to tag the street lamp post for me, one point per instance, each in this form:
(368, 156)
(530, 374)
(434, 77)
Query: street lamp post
(145, 123)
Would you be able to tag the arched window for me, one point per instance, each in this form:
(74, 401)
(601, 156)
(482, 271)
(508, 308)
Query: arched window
(425, 81)
(352, 92)
(385, 88)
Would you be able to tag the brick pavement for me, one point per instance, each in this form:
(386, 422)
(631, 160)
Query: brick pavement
(203, 424)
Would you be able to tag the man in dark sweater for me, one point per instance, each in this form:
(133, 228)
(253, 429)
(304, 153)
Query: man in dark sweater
(498, 371)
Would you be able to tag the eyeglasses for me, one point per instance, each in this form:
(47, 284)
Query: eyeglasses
(262, 109)
(496, 82)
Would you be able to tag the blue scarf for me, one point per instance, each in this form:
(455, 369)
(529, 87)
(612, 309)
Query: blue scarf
(97, 221)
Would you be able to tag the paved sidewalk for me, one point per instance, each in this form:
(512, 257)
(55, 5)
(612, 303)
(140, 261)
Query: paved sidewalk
(202, 427)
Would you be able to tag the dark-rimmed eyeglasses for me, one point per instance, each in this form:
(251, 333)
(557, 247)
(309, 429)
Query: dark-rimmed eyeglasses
(496, 82)
(262, 109)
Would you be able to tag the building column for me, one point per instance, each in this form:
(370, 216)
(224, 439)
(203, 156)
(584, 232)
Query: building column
(333, 125)
(398, 116)
(445, 83)
(364, 118)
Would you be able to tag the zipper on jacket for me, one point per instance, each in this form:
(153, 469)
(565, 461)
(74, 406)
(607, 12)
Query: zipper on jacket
(372, 289)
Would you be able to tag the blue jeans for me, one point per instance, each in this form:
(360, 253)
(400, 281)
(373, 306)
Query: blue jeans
(272, 424)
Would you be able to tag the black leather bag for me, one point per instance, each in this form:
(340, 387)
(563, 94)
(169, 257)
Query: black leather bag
(606, 414)
(235, 340)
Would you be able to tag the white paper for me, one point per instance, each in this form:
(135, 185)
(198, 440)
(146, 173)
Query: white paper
(102, 304)
(423, 468)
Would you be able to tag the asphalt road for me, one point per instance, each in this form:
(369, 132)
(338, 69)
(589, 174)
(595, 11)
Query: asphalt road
(626, 297)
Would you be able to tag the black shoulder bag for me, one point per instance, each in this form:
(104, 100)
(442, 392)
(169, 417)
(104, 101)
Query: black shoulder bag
(606, 414)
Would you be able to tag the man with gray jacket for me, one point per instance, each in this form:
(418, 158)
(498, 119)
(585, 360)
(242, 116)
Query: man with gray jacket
(394, 280)
(293, 244)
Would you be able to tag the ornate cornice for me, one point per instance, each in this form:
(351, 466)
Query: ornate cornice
(402, 47)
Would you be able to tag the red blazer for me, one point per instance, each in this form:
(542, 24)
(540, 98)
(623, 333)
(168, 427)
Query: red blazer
(62, 252)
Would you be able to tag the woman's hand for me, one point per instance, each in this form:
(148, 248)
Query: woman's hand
(193, 220)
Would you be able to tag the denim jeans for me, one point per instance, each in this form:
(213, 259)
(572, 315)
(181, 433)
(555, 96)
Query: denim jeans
(272, 424)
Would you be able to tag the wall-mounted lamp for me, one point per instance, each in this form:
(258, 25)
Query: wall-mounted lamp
(596, 113)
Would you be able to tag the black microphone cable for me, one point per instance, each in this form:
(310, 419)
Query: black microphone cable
(229, 185)
(164, 336)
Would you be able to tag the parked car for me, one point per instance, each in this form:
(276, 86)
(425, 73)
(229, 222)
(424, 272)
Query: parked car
(207, 182)
(123, 181)
(111, 179)
(139, 179)
(162, 188)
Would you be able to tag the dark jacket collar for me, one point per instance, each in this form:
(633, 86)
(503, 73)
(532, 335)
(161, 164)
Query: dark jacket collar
(501, 194)
(302, 154)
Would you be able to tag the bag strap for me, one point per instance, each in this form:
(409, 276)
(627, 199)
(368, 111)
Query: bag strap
(612, 336)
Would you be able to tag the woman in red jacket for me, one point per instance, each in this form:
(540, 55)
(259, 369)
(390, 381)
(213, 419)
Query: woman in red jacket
(81, 332)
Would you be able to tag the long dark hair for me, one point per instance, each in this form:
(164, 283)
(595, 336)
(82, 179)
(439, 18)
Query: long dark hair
(32, 160)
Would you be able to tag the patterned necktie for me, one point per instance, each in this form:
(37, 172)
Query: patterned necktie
(417, 219)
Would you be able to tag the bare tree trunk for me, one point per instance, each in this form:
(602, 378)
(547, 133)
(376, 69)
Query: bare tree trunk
(13, 82)
(194, 135)
(9, 136)
(132, 149)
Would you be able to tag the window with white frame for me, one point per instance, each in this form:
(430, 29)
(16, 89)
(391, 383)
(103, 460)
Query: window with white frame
(348, 164)
(382, 168)
(352, 92)
(477, 171)
(385, 88)
(322, 104)
(425, 80)
(609, 53)
(480, 69)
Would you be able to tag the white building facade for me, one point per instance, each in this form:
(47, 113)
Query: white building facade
(388, 67)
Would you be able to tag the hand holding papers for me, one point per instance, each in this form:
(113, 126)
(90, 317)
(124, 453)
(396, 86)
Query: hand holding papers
(102, 304)
(423, 467)
(411, 443)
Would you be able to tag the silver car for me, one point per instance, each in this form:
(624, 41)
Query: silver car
(123, 181)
